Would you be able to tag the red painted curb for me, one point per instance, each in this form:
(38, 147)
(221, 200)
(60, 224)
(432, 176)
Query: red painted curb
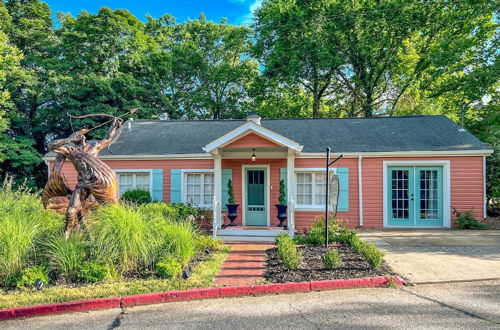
(350, 283)
(169, 296)
(59, 308)
(195, 294)
(247, 290)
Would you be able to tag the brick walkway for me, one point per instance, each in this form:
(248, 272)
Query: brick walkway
(245, 264)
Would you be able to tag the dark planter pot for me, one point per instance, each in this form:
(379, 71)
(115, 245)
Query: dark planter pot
(231, 213)
(281, 214)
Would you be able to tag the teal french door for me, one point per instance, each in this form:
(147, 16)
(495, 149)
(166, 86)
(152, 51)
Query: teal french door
(415, 196)
(255, 203)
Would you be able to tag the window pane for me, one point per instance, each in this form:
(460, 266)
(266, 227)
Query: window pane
(304, 188)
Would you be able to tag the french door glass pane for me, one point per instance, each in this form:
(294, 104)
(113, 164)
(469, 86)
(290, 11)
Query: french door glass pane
(429, 194)
(400, 194)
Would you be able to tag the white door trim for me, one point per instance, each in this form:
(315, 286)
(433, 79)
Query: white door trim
(446, 187)
(243, 190)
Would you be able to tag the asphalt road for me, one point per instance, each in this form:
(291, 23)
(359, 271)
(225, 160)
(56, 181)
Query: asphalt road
(473, 305)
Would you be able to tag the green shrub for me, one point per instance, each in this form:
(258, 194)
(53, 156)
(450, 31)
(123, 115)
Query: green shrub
(356, 243)
(287, 252)
(168, 267)
(137, 196)
(282, 195)
(467, 220)
(92, 272)
(230, 192)
(24, 228)
(29, 275)
(331, 259)
(372, 254)
(204, 242)
(185, 211)
(67, 256)
(122, 234)
(281, 235)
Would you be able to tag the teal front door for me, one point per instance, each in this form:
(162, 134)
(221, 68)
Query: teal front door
(415, 196)
(255, 203)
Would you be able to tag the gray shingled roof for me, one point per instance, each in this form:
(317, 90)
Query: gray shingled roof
(344, 135)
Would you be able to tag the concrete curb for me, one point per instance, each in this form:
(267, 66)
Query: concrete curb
(195, 294)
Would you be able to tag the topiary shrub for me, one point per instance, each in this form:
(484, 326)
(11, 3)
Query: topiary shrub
(331, 259)
(372, 254)
(287, 252)
(168, 267)
(92, 272)
(29, 275)
(467, 220)
(137, 196)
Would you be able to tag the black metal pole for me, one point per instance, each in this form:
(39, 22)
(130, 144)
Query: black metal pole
(326, 195)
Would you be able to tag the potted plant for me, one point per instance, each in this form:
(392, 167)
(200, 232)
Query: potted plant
(282, 204)
(231, 206)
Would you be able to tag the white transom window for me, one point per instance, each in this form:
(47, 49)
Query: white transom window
(199, 189)
(310, 188)
(132, 181)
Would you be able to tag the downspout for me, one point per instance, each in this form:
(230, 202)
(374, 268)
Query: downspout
(485, 200)
(360, 189)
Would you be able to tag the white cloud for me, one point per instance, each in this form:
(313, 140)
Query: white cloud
(248, 18)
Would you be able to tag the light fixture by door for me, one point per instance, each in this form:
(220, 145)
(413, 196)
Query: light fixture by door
(253, 156)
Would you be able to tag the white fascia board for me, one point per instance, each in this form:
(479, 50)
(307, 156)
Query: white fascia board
(146, 157)
(399, 154)
(257, 129)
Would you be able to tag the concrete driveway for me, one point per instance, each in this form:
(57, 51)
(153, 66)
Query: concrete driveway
(431, 255)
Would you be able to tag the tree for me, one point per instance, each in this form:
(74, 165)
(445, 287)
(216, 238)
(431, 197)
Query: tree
(212, 71)
(294, 46)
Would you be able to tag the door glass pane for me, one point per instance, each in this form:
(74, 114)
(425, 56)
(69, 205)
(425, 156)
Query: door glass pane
(255, 187)
(400, 194)
(429, 194)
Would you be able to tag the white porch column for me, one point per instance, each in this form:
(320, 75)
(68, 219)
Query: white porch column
(291, 191)
(217, 190)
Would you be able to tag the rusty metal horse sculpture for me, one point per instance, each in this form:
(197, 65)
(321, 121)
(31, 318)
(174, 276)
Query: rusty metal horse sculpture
(97, 183)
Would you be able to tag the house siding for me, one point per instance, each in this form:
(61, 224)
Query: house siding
(466, 180)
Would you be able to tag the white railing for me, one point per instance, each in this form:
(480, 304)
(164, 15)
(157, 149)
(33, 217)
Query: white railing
(291, 216)
(215, 218)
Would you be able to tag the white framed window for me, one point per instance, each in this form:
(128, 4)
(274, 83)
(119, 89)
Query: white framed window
(310, 188)
(199, 188)
(133, 180)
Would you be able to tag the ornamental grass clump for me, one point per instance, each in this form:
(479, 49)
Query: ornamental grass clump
(331, 259)
(287, 252)
(67, 256)
(123, 235)
(180, 241)
(25, 226)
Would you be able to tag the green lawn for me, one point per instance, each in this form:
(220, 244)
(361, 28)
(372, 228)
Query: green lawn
(202, 275)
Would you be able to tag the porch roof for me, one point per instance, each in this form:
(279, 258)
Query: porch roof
(343, 135)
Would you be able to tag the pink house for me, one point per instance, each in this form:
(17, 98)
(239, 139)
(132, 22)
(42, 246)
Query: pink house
(395, 171)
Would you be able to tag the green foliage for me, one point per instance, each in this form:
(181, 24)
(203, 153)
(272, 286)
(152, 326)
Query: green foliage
(24, 226)
(67, 256)
(185, 211)
(93, 272)
(230, 193)
(467, 220)
(168, 267)
(179, 241)
(29, 275)
(316, 235)
(282, 196)
(332, 259)
(160, 211)
(137, 196)
(287, 252)
(204, 242)
(372, 254)
(122, 234)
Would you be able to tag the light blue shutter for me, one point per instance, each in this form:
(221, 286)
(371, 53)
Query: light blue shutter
(284, 177)
(157, 185)
(175, 186)
(226, 175)
(343, 174)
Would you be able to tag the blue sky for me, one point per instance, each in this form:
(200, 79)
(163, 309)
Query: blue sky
(236, 11)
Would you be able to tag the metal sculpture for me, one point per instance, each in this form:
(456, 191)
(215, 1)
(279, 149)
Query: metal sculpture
(97, 183)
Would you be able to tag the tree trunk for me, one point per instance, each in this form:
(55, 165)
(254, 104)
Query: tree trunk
(316, 105)
(367, 105)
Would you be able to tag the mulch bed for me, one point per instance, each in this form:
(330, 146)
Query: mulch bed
(494, 222)
(311, 267)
